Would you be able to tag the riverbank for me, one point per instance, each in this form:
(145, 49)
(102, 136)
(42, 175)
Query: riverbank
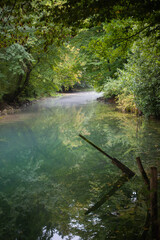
(120, 107)
(6, 109)
(22, 104)
(107, 100)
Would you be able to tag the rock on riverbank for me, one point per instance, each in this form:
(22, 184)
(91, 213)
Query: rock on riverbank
(6, 109)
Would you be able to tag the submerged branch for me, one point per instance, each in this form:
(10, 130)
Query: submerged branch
(117, 185)
(116, 162)
(144, 175)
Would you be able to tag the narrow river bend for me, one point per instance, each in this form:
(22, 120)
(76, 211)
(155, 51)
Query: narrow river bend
(49, 176)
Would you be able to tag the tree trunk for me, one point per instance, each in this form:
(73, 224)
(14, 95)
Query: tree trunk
(26, 82)
(11, 97)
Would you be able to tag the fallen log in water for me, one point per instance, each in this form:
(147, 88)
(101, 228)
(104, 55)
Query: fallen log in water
(152, 212)
(128, 174)
(144, 175)
(116, 162)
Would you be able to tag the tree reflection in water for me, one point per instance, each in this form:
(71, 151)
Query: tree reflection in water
(48, 177)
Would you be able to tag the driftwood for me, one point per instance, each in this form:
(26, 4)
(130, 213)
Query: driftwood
(144, 175)
(128, 174)
(146, 226)
(152, 215)
(147, 182)
(117, 185)
(116, 162)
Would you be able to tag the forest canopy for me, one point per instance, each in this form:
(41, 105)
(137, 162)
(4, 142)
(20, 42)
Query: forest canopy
(49, 45)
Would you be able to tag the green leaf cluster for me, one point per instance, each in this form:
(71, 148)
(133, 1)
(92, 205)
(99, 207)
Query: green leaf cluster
(103, 35)
(139, 80)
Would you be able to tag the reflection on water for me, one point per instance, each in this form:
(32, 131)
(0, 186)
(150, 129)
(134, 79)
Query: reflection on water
(56, 236)
(49, 176)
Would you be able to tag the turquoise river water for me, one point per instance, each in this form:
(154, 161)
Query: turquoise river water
(49, 176)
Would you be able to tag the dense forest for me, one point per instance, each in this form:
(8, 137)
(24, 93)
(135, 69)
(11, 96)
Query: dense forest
(51, 45)
(72, 167)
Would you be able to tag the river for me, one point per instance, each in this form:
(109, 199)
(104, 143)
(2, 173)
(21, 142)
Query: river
(49, 176)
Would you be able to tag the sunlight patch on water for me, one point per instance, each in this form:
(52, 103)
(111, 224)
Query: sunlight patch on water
(56, 235)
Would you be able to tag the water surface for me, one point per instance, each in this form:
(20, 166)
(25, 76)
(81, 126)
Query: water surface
(49, 176)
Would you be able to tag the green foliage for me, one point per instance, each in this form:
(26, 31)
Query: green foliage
(105, 33)
(126, 103)
(137, 85)
(33, 62)
(114, 43)
(112, 88)
(67, 70)
(25, 34)
(90, 65)
(16, 58)
(42, 81)
(14, 62)
(95, 66)
(141, 76)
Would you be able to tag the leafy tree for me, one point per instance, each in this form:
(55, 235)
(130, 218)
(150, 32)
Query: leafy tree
(104, 48)
(67, 70)
(91, 67)
(141, 76)
(36, 25)
(22, 25)
(15, 70)
(137, 85)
